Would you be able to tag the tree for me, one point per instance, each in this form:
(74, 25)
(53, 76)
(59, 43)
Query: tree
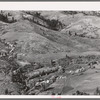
(97, 91)
(37, 14)
(54, 24)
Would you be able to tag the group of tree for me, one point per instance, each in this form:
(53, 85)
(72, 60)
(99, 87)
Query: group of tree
(54, 24)
(70, 12)
(4, 18)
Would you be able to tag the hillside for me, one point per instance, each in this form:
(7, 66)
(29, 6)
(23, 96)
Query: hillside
(56, 47)
(74, 33)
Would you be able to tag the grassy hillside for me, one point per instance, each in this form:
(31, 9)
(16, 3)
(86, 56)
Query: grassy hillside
(70, 37)
(36, 40)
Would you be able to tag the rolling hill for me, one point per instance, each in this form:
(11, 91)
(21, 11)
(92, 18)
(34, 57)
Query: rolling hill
(37, 40)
